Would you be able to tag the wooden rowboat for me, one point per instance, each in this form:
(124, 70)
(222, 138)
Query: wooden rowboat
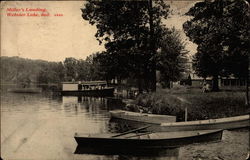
(148, 140)
(221, 123)
(25, 90)
(142, 117)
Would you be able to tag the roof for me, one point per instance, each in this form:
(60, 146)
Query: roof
(87, 82)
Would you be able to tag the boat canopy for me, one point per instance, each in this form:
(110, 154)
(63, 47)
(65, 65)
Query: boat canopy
(88, 83)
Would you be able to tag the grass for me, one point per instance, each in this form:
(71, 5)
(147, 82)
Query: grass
(200, 105)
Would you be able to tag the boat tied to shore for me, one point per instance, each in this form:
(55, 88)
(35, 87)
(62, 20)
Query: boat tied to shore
(25, 90)
(87, 88)
(148, 140)
(242, 121)
(142, 117)
(220, 123)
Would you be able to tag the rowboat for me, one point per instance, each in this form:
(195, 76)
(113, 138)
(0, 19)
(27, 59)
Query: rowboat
(87, 88)
(157, 140)
(221, 123)
(25, 90)
(142, 117)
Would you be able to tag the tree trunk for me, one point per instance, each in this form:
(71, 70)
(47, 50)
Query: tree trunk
(247, 82)
(152, 49)
(167, 84)
(247, 92)
(139, 83)
(215, 83)
(153, 80)
(119, 81)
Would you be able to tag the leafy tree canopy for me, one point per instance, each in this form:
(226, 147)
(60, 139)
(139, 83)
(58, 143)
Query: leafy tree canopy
(171, 57)
(132, 32)
(220, 28)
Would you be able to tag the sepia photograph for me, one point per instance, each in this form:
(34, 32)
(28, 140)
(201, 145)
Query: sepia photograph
(125, 80)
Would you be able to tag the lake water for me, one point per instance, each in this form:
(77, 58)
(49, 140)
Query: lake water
(42, 126)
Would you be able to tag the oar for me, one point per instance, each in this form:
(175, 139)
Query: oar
(134, 130)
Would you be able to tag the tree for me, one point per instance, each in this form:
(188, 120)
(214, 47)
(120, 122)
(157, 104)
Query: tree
(131, 28)
(51, 72)
(220, 28)
(102, 65)
(96, 70)
(171, 57)
(70, 65)
(25, 72)
(60, 71)
(83, 70)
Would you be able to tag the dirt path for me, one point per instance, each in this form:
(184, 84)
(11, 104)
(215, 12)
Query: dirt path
(234, 146)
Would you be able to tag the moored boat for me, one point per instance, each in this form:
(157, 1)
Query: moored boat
(149, 139)
(25, 90)
(142, 117)
(221, 123)
(87, 88)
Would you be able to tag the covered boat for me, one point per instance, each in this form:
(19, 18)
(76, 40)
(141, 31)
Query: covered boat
(87, 88)
(142, 117)
(148, 140)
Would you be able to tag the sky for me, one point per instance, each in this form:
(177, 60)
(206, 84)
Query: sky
(53, 38)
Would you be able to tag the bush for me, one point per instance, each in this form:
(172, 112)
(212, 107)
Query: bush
(200, 105)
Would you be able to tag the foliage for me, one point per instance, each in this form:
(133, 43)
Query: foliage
(200, 106)
(171, 57)
(83, 70)
(70, 65)
(51, 72)
(96, 70)
(130, 30)
(220, 28)
(25, 71)
(19, 70)
(121, 20)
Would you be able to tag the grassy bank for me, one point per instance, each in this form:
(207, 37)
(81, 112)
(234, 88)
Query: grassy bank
(200, 105)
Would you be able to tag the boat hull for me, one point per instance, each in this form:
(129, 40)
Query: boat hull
(212, 136)
(211, 124)
(97, 92)
(142, 117)
(25, 90)
(222, 123)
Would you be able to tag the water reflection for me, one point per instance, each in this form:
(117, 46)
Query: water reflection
(167, 153)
